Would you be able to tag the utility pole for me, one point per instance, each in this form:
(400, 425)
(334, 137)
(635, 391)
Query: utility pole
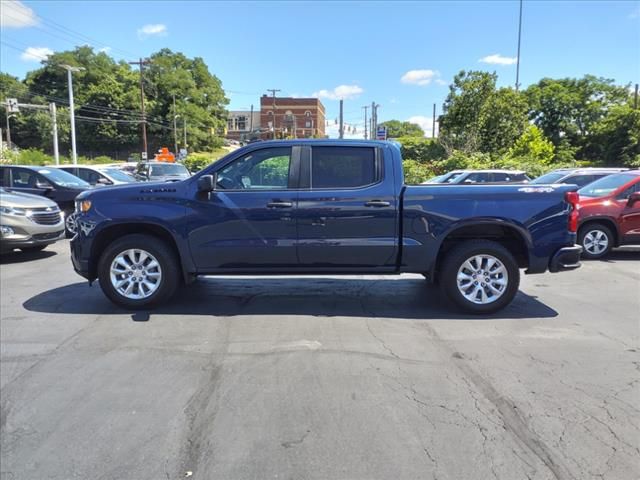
(8, 130)
(184, 119)
(273, 95)
(433, 125)
(518, 57)
(141, 63)
(365, 121)
(635, 100)
(54, 131)
(251, 121)
(70, 69)
(372, 130)
(341, 119)
(175, 127)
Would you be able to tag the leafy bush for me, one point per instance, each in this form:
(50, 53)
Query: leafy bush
(421, 149)
(416, 172)
(197, 161)
(533, 145)
(32, 156)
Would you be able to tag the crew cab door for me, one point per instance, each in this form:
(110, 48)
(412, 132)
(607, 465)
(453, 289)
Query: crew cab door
(348, 212)
(629, 216)
(248, 222)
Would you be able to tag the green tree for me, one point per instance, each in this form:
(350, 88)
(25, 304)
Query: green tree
(396, 128)
(502, 120)
(615, 138)
(460, 121)
(566, 110)
(532, 145)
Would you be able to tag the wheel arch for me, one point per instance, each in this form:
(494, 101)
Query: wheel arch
(514, 238)
(606, 221)
(107, 235)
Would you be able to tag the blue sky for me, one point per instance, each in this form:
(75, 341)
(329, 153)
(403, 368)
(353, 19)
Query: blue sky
(400, 54)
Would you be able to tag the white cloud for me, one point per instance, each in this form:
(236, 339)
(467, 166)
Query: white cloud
(36, 54)
(497, 59)
(15, 14)
(104, 50)
(440, 81)
(152, 29)
(420, 77)
(345, 92)
(426, 123)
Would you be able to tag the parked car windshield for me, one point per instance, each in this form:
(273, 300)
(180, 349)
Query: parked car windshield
(118, 175)
(452, 177)
(606, 185)
(551, 177)
(158, 170)
(62, 178)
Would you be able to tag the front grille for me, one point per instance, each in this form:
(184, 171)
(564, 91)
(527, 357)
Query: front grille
(47, 236)
(43, 216)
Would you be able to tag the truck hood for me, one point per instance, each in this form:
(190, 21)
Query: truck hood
(24, 200)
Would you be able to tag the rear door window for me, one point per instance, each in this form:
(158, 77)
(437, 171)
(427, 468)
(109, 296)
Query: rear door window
(343, 167)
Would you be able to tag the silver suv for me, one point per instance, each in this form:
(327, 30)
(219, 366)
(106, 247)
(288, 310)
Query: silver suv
(28, 222)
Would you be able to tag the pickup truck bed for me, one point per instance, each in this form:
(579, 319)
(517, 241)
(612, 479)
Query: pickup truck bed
(321, 207)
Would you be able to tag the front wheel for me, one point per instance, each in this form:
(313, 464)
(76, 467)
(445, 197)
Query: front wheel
(138, 271)
(480, 276)
(70, 226)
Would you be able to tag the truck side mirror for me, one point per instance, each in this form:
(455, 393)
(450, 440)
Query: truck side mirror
(207, 183)
(633, 199)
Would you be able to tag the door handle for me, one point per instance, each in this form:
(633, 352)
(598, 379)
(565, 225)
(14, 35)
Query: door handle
(377, 203)
(279, 205)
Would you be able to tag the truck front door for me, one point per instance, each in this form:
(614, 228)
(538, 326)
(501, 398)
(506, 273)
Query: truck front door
(248, 222)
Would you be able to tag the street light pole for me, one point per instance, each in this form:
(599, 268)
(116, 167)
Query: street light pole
(518, 57)
(70, 69)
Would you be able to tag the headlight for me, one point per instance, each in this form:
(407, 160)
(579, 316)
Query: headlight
(83, 206)
(16, 211)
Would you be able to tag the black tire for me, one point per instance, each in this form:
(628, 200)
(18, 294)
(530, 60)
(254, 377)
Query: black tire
(37, 248)
(465, 251)
(169, 280)
(595, 251)
(68, 232)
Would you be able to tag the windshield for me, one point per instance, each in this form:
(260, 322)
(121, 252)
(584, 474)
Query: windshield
(118, 175)
(547, 178)
(158, 170)
(606, 185)
(451, 178)
(62, 178)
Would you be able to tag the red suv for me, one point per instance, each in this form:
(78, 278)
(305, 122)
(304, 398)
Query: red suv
(609, 214)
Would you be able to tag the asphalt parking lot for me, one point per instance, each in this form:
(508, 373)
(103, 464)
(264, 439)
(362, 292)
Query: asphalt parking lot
(319, 378)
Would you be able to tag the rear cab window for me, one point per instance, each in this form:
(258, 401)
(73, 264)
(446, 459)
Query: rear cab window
(344, 167)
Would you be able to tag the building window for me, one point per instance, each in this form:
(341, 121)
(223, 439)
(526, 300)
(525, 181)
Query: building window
(242, 123)
(230, 124)
(307, 124)
(307, 113)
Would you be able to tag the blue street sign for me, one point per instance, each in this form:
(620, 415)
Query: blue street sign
(381, 133)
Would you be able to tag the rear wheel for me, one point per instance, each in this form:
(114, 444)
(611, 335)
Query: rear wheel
(138, 271)
(596, 240)
(480, 276)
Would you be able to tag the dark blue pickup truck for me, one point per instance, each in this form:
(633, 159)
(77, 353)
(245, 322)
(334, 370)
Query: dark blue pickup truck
(322, 207)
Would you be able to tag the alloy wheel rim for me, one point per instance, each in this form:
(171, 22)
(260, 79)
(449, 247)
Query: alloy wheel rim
(596, 242)
(482, 279)
(70, 222)
(135, 274)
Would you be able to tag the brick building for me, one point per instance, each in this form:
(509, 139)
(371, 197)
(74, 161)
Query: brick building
(291, 117)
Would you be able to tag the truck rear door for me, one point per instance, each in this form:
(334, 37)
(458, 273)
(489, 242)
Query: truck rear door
(347, 209)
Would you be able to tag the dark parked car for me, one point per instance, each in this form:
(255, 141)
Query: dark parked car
(575, 176)
(161, 172)
(322, 207)
(457, 177)
(98, 174)
(609, 213)
(53, 183)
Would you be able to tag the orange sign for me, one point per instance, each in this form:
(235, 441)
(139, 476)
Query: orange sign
(164, 155)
